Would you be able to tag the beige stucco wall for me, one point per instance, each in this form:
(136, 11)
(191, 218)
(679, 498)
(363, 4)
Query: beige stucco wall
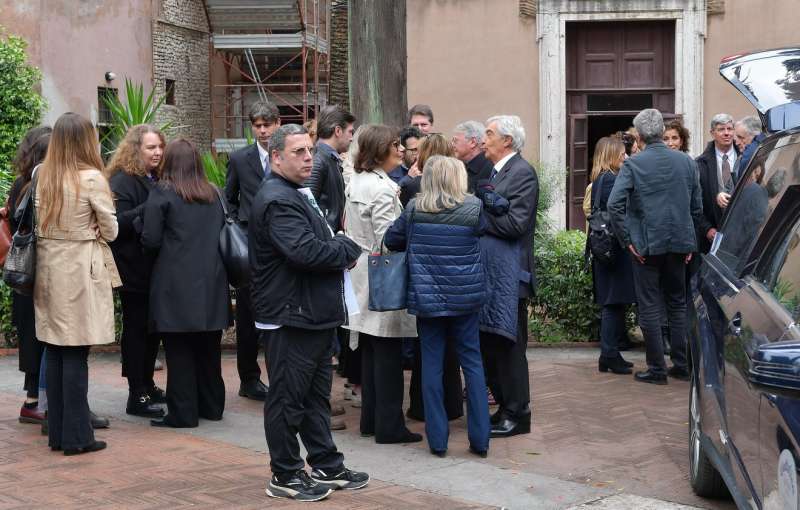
(470, 59)
(84, 39)
(745, 27)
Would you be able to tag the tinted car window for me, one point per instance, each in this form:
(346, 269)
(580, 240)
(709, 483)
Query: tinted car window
(775, 166)
(782, 274)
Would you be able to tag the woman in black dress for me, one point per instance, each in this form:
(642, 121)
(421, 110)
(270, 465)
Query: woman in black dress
(189, 297)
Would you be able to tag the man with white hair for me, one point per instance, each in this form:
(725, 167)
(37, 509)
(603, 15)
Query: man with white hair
(715, 166)
(467, 144)
(655, 206)
(748, 134)
(507, 248)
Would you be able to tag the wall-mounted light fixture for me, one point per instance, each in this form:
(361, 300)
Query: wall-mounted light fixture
(110, 75)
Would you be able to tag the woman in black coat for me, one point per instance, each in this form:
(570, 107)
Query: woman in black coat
(189, 298)
(132, 172)
(613, 283)
(30, 153)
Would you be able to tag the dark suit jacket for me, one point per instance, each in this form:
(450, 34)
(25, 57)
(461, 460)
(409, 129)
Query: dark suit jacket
(130, 193)
(518, 183)
(327, 184)
(398, 173)
(241, 183)
(709, 186)
(409, 187)
(478, 169)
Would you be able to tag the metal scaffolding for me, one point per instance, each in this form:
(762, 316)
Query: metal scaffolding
(266, 49)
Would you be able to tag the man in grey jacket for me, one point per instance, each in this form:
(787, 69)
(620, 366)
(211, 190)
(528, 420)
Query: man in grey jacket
(654, 207)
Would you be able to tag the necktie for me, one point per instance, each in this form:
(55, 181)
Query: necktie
(727, 179)
(494, 174)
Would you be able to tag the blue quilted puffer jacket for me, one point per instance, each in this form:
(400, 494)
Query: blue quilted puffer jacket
(446, 276)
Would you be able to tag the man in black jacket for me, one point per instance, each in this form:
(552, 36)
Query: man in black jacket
(297, 286)
(335, 132)
(468, 147)
(247, 167)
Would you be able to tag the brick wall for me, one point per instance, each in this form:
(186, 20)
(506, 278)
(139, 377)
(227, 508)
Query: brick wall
(181, 53)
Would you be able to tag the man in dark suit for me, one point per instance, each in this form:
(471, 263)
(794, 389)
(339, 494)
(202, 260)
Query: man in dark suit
(514, 179)
(410, 138)
(468, 147)
(247, 167)
(334, 132)
(715, 167)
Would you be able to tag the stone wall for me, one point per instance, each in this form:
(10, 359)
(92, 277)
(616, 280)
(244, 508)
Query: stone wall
(181, 53)
(338, 88)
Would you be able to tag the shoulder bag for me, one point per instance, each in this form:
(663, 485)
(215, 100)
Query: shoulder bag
(19, 269)
(233, 248)
(601, 240)
(388, 277)
(5, 233)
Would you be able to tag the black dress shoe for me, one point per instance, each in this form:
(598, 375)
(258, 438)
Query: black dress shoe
(98, 422)
(480, 453)
(142, 406)
(94, 447)
(496, 416)
(254, 390)
(439, 453)
(615, 365)
(624, 362)
(508, 427)
(408, 437)
(649, 377)
(157, 395)
(678, 373)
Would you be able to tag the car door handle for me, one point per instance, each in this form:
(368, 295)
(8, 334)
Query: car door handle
(735, 325)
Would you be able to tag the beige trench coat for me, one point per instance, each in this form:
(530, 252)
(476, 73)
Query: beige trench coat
(372, 206)
(75, 270)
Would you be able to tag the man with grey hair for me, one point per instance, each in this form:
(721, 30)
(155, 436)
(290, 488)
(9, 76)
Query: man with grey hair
(654, 207)
(748, 133)
(715, 166)
(507, 246)
(467, 144)
(297, 265)
(246, 169)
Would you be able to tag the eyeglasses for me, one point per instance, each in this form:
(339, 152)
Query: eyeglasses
(301, 151)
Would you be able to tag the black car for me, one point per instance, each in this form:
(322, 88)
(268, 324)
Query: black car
(744, 338)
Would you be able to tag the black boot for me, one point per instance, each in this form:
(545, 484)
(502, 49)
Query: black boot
(624, 362)
(665, 338)
(616, 365)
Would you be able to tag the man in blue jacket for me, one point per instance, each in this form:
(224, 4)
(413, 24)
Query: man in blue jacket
(655, 206)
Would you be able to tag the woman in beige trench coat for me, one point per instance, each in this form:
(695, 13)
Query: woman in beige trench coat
(372, 205)
(75, 273)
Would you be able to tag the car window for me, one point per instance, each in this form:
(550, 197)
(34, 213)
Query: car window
(781, 275)
(775, 166)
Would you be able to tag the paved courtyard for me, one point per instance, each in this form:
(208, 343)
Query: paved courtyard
(598, 442)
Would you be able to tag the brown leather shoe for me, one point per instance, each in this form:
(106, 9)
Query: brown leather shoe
(31, 416)
(338, 424)
(337, 410)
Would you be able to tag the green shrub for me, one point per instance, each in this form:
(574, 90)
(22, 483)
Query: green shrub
(564, 308)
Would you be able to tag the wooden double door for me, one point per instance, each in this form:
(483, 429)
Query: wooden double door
(613, 71)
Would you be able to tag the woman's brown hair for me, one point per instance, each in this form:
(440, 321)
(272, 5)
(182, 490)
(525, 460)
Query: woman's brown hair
(433, 145)
(31, 151)
(374, 145)
(678, 126)
(606, 156)
(128, 156)
(183, 172)
(73, 147)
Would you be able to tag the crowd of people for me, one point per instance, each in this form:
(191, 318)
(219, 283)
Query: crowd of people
(317, 201)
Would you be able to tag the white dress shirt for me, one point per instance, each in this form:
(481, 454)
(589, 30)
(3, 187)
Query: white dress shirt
(499, 165)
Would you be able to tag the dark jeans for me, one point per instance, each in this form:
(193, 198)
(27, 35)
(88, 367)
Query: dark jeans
(139, 348)
(69, 425)
(382, 387)
(195, 388)
(461, 332)
(662, 279)
(246, 338)
(298, 401)
(507, 367)
(612, 329)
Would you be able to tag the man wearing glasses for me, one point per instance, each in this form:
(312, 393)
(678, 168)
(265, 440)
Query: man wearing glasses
(410, 138)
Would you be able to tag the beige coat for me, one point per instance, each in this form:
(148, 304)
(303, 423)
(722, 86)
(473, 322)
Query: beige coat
(372, 205)
(75, 270)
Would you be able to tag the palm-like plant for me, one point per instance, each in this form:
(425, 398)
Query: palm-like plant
(215, 168)
(137, 109)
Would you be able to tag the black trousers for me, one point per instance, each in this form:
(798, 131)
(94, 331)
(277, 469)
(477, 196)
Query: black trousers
(69, 425)
(507, 367)
(195, 388)
(661, 281)
(30, 349)
(139, 348)
(451, 380)
(246, 338)
(298, 401)
(382, 387)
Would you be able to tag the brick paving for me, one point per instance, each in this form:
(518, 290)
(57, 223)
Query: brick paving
(600, 430)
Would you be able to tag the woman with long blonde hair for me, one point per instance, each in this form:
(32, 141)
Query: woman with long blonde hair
(434, 144)
(440, 231)
(75, 274)
(133, 172)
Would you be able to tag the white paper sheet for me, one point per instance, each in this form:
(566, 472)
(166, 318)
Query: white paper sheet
(350, 299)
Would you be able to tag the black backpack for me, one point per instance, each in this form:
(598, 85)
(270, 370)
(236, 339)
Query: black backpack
(601, 241)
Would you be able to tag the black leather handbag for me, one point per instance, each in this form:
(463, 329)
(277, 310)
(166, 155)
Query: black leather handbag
(19, 270)
(233, 248)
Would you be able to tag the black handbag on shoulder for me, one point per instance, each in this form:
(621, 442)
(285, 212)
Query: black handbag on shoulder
(19, 270)
(233, 248)
(601, 240)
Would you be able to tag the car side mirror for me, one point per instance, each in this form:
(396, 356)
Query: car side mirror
(775, 368)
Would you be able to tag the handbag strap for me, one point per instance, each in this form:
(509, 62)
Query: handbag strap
(228, 218)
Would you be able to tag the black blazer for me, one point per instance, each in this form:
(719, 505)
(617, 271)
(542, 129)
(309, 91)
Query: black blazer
(409, 187)
(327, 185)
(130, 193)
(518, 183)
(478, 169)
(242, 180)
(709, 187)
(189, 287)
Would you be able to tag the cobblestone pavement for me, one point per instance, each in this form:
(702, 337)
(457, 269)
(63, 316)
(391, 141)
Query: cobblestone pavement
(598, 441)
